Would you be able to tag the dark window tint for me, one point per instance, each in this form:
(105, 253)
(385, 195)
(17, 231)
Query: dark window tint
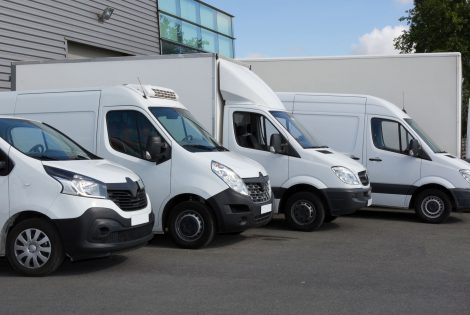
(4, 164)
(253, 131)
(129, 131)
(390, 135)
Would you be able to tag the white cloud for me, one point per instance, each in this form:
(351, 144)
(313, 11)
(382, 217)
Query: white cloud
(378, 41)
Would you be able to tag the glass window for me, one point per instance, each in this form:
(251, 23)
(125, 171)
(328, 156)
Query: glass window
(169, 6)
(390, 135)
(185, 130)
(189, 10)
(40, 141)
(190, 35)
(253, 131)
(224, 24)
(296, 130)
(170, 49)
(424, 136)
(208, 17)
(226, 46)
(129, 132)
(208, 40)
(170, 28)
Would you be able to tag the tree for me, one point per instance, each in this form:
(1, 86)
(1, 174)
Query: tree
(440, 26)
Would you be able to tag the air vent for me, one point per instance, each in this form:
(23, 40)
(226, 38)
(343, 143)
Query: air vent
(170, 95)
(325, 151)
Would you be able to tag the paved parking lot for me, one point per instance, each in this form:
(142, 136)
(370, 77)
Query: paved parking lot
(370, 262)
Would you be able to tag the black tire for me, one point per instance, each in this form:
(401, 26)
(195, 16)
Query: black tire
(34, 247)
(304, 211)
(191, 225)
(433, 206)
(329, 218)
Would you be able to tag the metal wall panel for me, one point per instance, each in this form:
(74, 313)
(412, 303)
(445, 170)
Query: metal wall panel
(40, 29)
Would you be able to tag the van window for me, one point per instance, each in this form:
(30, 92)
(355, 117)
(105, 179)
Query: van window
(253, 131)
(390, 135)
(129, 131)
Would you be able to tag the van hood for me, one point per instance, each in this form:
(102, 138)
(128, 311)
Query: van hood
(102, 170)
(243, 166)
(452, 161)
(332, 158)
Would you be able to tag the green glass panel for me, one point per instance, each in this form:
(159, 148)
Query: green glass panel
(170, 28)
(224, 24)
(172, 49)
(190, 35)
(189, 10)
(208, 17)
(169, 6)
(225, 46)
(208, 40)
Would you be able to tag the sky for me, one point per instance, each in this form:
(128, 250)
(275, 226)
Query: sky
(283, 28)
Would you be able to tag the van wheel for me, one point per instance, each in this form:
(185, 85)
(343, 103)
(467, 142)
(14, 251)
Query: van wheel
(433, 206)
(304, 211)
(34, 247)
(191, 225)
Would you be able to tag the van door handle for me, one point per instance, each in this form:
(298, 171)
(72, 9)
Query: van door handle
(355, 157)
(377, 159)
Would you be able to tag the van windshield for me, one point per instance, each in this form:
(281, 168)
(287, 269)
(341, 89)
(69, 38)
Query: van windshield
(297, 130)
(434, 147)
(182, 127)
(41, 141)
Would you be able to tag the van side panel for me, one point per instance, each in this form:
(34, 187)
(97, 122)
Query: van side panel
(74, 112)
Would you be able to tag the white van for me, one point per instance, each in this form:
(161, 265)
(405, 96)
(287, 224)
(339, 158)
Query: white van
(58, 200)
(406, 168)
(196, 186)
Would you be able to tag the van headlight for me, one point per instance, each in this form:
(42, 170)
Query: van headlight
(229, 177)
(345, 175)
(466, 175)
(78, 185)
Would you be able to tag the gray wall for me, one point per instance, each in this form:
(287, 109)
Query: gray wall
(40, 29)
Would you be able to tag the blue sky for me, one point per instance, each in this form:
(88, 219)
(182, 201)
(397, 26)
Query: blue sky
(279, 28)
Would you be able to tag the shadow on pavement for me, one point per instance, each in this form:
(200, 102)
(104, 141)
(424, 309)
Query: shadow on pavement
(69, 268)
(395, 215)
(220, 240)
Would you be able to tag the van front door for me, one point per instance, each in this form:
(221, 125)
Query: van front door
(5, 168)
(251, 136)
(392, 171)
(127, 131)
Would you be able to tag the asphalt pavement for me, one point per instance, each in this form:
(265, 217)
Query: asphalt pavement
(372, 262)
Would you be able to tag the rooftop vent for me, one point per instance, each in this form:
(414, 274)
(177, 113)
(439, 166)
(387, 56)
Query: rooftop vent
(170, 95)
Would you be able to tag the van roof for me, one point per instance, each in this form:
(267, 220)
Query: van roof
(391, 108)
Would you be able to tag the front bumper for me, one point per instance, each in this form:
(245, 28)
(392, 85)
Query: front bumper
(347, 201)
(236, 212)
(100, 232)
(462, 199)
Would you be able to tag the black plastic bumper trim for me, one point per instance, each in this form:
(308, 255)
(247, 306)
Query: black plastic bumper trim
(346, 201)
(461, 198)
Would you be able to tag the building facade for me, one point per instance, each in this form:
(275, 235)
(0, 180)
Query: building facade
(193, 26)
(59, 29)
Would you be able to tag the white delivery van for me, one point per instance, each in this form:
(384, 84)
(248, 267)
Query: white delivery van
(406, 168)
(311, 184)
(196, 186)
(57, 200)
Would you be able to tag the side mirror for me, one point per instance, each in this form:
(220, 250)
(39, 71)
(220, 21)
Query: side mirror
(156, 149)
(3, 166)
(414, 148)
(276, 145)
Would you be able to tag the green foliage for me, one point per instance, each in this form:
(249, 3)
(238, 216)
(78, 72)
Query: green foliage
(440, 26)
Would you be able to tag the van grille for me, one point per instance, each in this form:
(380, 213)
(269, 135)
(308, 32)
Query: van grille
(164, 94)
(364, 178)
(126, 202)
(259, 192)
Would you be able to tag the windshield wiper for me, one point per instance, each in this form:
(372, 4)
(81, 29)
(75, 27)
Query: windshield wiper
(318, 147)
(44, 157)
(81, 157)
(200, 146)
(441, 151)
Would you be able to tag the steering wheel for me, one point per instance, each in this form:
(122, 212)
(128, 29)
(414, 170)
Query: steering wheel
(38, 148)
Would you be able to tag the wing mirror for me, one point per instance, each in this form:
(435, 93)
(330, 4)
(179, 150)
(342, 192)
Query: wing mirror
(157, 149)
(3, 166)
(414, 148)
(276, 145)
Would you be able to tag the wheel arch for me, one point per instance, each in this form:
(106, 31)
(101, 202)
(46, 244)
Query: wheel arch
(300, 188)
(431, 186)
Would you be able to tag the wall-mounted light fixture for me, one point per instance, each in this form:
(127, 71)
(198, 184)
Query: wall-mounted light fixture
(105, 15)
